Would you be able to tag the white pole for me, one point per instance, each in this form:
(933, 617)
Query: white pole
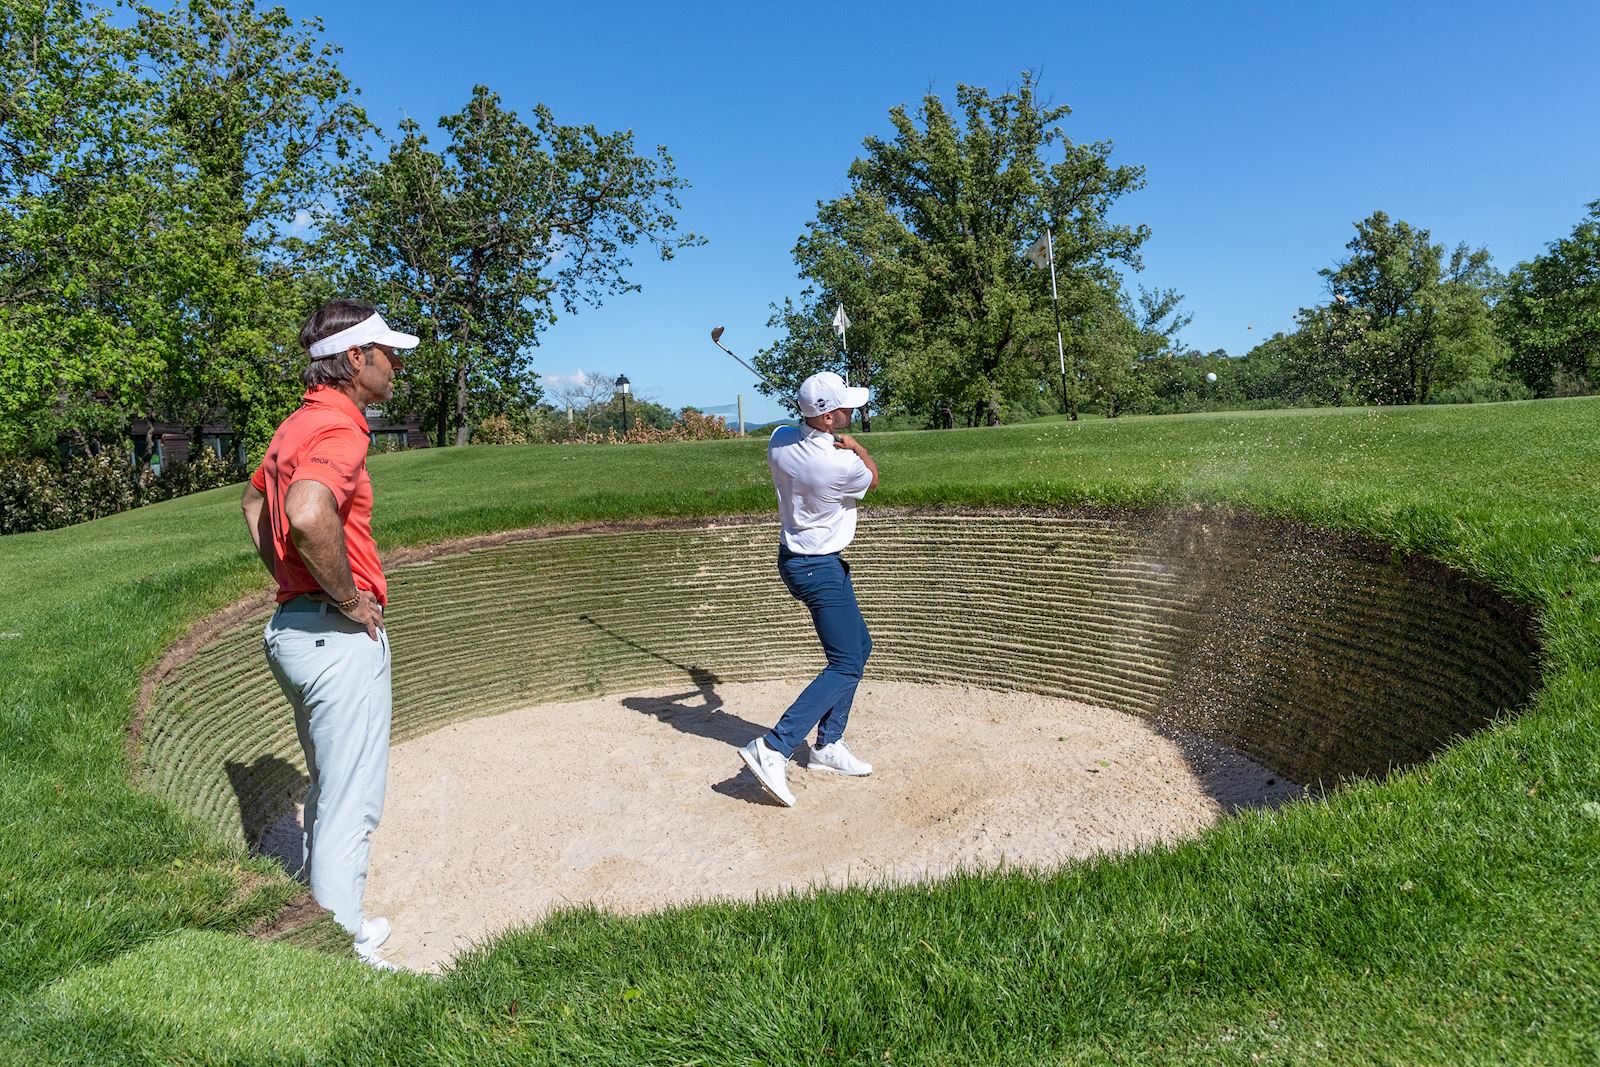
(741, 414)
(1061, 350)
(844, 343)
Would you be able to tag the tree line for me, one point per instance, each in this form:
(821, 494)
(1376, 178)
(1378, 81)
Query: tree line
(951, 324)
(180, 185)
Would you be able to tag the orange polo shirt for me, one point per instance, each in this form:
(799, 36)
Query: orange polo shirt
(325, 441)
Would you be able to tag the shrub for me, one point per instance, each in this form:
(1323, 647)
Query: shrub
(202, 472)
(1482, 391)
(94, 486)
(497, 430)
(38, 495)
(30, 497)
(555, 430)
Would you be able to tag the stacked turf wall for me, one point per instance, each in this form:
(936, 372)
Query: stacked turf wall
(1319, 655)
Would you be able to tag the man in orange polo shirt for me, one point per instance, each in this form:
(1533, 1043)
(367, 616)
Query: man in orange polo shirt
(309, 511)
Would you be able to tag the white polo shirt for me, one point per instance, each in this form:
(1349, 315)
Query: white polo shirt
(818, 486)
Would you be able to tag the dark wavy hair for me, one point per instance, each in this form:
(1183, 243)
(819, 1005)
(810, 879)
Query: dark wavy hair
(328, 320)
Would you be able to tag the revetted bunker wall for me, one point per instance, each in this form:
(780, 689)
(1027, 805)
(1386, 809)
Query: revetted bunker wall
(1319, 655)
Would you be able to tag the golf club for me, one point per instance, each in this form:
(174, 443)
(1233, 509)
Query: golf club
(716, 339)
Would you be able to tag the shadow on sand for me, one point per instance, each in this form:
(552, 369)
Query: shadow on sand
(698, 711)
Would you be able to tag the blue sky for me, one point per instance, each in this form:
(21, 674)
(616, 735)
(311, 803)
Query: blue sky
(1266, 131)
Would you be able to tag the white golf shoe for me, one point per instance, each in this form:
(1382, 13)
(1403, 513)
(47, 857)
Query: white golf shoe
(374, 932)
(837, 759)
(377, 962)
(768, 767)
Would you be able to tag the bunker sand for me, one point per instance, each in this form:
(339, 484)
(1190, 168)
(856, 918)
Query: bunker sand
(636, 802)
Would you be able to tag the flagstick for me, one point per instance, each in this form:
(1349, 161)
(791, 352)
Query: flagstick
(1055, 301)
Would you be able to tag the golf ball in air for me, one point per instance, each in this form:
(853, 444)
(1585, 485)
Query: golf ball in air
(1211, 376)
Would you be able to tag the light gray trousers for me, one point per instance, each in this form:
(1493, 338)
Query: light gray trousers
(337, 679)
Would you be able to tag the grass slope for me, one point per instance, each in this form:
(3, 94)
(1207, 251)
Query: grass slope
(1446, 914)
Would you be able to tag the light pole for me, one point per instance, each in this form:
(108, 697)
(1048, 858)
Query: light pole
(623, 387)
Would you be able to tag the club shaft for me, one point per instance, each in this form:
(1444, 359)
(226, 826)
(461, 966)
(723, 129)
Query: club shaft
(776, 385)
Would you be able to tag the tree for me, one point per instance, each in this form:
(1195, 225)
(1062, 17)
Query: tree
(1266, 373)
(258, 121)
(1391, 299)
(928, 245)
(849, 252)
(150, 183)
(1113, 350)
(1160, 318)
(475, 247)
(1550, 317)
(76, 195)
(587, 393)
(642, 413)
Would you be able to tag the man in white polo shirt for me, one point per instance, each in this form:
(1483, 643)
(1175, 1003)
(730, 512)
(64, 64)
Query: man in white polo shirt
(819, 478)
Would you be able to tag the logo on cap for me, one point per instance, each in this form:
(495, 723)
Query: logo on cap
(825, 392)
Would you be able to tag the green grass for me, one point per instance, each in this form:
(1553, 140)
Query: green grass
(1443, 915)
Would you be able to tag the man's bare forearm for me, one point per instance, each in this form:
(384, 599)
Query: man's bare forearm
(319, 538)
(318, 534)
(257, 521)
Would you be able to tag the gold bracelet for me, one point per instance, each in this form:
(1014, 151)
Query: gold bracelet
(346, 605)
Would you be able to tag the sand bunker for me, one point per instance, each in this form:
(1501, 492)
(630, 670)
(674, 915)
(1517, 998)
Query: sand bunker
(636, 802)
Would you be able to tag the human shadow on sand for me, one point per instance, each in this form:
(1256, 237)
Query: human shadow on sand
(267, 789)
(697, 711)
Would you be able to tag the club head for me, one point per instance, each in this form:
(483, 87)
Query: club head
(716, 334)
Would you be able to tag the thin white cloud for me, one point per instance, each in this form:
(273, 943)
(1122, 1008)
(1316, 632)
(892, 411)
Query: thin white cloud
(556, 381)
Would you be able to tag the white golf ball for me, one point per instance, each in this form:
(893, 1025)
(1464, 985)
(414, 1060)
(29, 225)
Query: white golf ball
(1211, 376)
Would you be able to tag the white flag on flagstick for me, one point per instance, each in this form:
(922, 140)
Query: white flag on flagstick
(1039, 252)
(841, 322)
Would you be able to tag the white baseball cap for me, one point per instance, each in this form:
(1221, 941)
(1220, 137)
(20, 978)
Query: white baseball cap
(371, 330)
(825, 392)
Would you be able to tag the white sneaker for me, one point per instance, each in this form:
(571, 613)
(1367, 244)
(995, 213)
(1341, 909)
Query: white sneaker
(768, 767)
(376, 962)
(837, 759)
(374, 932)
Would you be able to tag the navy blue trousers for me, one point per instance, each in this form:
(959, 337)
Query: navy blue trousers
(822, 584)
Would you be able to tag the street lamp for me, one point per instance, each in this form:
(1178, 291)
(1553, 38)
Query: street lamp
(623, 388)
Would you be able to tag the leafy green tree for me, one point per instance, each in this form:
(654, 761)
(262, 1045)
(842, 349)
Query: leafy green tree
(258, 122)
(477, 247)
(850, 253)
(1265, 373)
(1471, 352)
(76, 277)
(642, 412)
(928, 246)
(151, 180)
(1392, 297)
(1550, 317)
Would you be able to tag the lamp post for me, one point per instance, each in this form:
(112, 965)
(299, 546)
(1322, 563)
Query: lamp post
(623, 387)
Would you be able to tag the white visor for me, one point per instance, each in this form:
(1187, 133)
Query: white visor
(369, 331)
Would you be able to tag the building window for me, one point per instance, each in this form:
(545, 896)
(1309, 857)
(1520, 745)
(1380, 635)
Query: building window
(388, 440)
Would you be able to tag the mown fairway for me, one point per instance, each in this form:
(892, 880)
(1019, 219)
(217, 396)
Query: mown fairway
(1446, 914)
